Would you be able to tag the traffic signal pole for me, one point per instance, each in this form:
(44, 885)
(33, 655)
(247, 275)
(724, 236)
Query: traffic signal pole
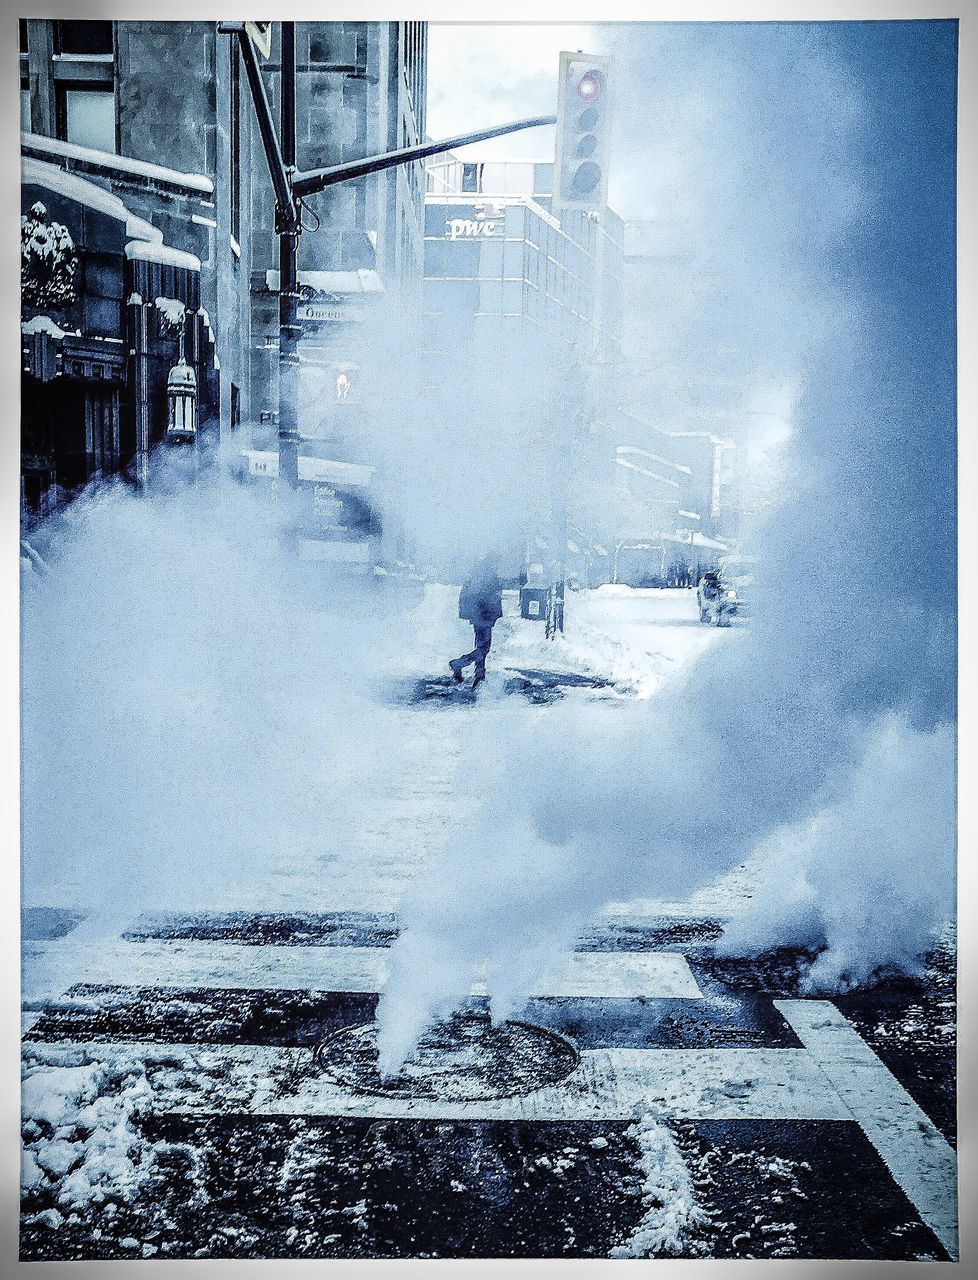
(288, 225)
(291, 187)
(288, 281)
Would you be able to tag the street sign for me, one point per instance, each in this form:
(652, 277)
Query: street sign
(326, 312)
(261, 36)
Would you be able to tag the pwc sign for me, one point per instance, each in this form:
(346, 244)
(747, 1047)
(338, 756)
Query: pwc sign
(583, 127)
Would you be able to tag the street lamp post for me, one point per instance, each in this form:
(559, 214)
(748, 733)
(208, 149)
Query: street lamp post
(291, 188)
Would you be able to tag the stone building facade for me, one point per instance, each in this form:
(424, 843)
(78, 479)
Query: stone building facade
(132, 140)
(108, 309)
(361, 90)
(156, 96)
(158, 117)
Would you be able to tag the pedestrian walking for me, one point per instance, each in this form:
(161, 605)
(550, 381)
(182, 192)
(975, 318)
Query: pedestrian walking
(480, 602)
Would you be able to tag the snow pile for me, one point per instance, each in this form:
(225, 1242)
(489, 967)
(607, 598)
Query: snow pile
(81, 1143)
(86, 1154)
(636, 659)
(672, 1214)
(173, 312)
(582, 648)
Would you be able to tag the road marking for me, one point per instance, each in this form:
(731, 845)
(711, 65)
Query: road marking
(920, 1160)
(620, 1084)
(660, 975)
(49, 967)
(608, 1084)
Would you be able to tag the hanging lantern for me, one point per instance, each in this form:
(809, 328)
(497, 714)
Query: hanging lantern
(181, 402)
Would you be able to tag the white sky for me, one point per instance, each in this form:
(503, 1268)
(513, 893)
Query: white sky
(481, 75)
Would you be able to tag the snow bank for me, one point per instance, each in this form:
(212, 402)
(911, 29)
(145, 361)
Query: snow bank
(673, 1215)
(81, 1143)
(52, 1095)
(85, 1152)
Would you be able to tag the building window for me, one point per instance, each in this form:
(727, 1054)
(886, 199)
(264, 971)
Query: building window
(25, 108)
(333, 44)
(83, 39)
(23, 35)
(86, 116)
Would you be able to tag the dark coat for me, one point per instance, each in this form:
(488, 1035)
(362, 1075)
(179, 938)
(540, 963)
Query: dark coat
(481, 599)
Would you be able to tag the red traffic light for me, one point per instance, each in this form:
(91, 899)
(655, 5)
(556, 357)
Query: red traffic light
(583, 122)
(589, 86)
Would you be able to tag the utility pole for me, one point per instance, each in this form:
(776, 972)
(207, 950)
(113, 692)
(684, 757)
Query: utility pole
(291, 188)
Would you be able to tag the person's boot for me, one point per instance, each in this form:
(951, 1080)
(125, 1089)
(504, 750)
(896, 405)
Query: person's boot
(456, 671)
(478, 678)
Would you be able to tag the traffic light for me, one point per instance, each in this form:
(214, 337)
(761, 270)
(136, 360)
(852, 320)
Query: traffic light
(583, 123)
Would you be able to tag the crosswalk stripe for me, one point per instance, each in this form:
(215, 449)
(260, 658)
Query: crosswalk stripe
(50, 967)
(916, 1154)
(210, 965)
(607, 1084)
(834, 1076)
(621, 1084)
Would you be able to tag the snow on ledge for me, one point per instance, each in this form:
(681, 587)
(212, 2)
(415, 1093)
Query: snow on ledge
(112, 163)
(172, 310)
(42, 324)
(143, 251)
(69, 185)
(361, 280)
(139, 229)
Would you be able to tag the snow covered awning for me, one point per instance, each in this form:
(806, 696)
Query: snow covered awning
(117, 165)
(90, 195)
(143, 251)
(45, 325)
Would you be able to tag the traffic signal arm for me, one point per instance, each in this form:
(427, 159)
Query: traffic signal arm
(284, 197)
(305, 184)
(291, 186)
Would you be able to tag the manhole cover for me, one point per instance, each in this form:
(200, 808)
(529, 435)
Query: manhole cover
(465, 1059)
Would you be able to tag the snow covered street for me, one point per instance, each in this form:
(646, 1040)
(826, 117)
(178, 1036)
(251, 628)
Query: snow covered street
(174, 1105)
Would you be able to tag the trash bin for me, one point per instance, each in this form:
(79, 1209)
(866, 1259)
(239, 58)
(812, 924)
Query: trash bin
(533, 603)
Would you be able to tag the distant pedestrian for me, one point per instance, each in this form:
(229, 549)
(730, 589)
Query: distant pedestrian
(480, 602)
